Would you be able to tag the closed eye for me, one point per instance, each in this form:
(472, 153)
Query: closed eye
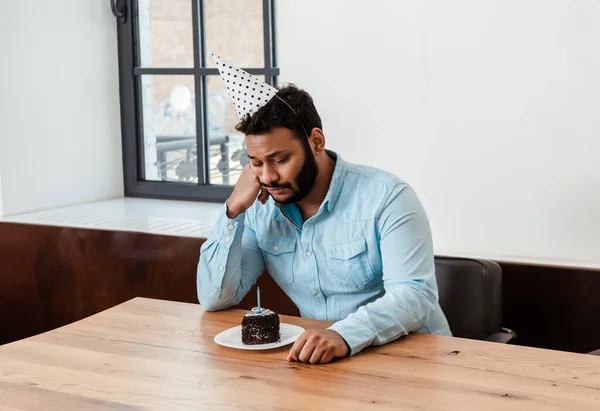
(283, 160)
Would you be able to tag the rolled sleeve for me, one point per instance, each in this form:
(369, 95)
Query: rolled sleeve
(357, 333)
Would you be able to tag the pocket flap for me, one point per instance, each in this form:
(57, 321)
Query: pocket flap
(277, 245)
(346, 251)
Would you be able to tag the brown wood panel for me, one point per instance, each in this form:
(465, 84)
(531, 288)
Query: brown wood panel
(52, 276)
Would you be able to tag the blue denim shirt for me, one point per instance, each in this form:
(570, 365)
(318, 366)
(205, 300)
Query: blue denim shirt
(365, 260)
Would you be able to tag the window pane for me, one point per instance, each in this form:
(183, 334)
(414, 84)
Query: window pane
(234, 31)
(226, 146)
(165, 31)
(169, 124)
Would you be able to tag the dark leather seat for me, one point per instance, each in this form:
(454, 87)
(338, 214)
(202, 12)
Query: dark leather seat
(470, 294)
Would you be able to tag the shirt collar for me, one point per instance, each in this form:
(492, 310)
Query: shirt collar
(337, 181)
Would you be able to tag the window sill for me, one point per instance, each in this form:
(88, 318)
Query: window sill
(164, 217)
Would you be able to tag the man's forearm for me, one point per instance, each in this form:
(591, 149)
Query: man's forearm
(219, 266)
(229, 264)
(232, 212)
(400, 311)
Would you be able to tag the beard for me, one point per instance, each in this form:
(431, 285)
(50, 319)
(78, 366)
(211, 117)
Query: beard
(304, 181)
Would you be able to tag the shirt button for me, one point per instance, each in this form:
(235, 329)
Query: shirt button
(220, 268)
(276, 248)
(309, 254)
(230, 226)
(315, 292)
(346, 252)
(228, 239)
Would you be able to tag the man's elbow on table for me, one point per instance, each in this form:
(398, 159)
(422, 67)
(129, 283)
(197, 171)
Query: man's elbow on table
(212, 305)
(417, 300)
(216, 299)
(210, 301)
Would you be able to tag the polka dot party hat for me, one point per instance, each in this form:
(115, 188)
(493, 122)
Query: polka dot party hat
(247, 92)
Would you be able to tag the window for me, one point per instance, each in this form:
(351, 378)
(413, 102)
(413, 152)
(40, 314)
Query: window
(179, 140)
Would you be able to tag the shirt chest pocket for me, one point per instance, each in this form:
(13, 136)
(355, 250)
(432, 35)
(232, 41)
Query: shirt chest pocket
(348, 264)
(278, 254)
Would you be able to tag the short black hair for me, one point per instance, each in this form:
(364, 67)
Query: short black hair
(276, 113)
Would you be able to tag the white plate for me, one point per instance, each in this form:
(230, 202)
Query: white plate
(233, 338)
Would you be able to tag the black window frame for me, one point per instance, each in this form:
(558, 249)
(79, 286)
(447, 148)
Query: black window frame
(130, 73)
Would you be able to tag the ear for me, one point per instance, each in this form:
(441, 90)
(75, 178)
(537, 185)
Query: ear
(316, 139)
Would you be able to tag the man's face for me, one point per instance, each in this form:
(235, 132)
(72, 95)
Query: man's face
(285, 167)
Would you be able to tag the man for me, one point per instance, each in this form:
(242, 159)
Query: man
(345, 242)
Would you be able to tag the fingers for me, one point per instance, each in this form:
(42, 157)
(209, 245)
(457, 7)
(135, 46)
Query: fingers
(307, 351)
(326, 357)
(263, 196)
(314, 347)
(294, 354)
(317, 354)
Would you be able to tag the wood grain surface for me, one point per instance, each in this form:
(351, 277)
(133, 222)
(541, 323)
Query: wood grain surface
(156, 355)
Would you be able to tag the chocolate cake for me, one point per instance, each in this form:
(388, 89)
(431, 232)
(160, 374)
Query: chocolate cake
(260, 327)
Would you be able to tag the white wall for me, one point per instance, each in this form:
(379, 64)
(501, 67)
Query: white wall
(490, 109)
(60, 140)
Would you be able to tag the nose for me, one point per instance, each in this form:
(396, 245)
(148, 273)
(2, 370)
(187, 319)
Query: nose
(268, 175)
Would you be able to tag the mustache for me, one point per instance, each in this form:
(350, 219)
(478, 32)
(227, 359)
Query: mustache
(276, 185)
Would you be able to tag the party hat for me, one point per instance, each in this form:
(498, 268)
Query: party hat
(247, 92)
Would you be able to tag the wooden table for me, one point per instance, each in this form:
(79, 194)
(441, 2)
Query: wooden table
(156, 355)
